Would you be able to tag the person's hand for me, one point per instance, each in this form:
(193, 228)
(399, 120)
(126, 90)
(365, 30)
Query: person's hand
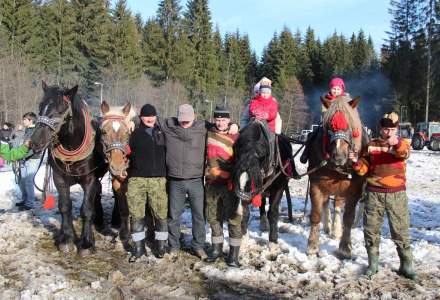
(233, 129)
(393, 140)
(353, 155)
(28, 144)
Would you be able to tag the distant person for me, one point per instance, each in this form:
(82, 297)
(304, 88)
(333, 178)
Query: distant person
(7, 132)
(28, 167)
(383, 161)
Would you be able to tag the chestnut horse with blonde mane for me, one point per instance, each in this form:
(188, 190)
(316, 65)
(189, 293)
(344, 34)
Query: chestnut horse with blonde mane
(116, 127)
(341, 132)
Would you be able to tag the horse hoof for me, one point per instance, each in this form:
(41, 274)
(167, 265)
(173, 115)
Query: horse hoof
(264, 224)
(85, 252)
(312, 251)
(66, 248)
(344, 254)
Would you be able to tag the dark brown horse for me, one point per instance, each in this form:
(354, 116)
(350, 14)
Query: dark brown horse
(341, 132)
(66, 128)
(116, 127)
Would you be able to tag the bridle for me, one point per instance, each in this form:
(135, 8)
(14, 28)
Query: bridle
(55, 123)
(115, 145)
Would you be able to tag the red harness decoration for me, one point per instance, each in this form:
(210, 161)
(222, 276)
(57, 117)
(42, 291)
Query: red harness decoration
(83, 150)
(339, 122)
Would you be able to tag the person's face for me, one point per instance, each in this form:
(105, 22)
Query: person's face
(222, 124)
(5, 127)
(149, 121)
(265, 94)
(387, 132)
(186, 124)
(26, 122)
(336, 91)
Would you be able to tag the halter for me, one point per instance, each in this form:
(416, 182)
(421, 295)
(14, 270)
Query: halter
(55, 123)
(114, 145)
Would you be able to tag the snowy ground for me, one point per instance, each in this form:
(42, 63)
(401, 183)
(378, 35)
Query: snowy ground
(32, 268)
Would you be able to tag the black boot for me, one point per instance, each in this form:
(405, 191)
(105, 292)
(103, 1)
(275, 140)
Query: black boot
(217, 252)
(138, 237)
(306, 152)
(232, 259)
(160, 248)
(161, 236)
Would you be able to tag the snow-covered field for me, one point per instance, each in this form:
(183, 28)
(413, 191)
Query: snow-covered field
(32, 268)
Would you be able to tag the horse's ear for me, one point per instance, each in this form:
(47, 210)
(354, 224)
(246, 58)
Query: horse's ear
(70, 94)
(126, 109)
(326, 102)
(44, 86)
(353, 103)
(104, 107)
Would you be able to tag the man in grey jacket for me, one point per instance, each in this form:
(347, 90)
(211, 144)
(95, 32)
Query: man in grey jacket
(185, 159)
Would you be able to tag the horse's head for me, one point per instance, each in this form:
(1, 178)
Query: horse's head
(252, 152)
(55, 108)
(116, 128)
(342, 129)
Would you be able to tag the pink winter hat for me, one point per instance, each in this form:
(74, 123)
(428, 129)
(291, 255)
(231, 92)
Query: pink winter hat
(337, 82)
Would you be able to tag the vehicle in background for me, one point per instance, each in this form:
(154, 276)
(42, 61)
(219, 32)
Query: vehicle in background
(426, 134)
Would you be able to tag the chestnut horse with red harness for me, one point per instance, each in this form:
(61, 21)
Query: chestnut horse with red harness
(341, 132)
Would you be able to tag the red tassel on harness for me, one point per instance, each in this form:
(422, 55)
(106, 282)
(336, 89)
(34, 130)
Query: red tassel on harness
(127, 150)
(256, 201)
(355, 133)
(339, 122)
(49, 202)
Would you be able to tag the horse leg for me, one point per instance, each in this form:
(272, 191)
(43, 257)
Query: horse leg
(245, 220)
(264, 223)
(274, 210)
(116, 216)
(123, 213)
(87, 240)
(66, 238)
(349, 214)
(337, 224)
(318, 199)
(99, 211)
(326, 219)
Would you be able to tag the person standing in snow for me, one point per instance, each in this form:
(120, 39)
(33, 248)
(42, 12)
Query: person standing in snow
(383, 161)
(221, 202)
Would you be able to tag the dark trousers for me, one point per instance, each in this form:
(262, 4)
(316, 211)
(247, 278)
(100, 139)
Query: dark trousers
(177, 191)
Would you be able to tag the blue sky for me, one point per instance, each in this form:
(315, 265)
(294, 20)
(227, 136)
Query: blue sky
(260, 19)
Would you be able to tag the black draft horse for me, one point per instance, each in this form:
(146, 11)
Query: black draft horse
(251, 176)
(76, 156)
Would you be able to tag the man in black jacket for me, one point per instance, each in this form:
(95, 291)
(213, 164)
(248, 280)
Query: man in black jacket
(146, 183)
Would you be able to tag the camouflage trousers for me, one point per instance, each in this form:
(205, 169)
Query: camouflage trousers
(221, 205)
(147, 194)
(395, 205)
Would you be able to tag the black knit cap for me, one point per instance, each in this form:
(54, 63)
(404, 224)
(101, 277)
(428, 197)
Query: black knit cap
(221, 112)
(148, 110)
(390, 120)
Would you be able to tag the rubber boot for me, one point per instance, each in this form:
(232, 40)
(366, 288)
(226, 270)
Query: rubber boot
(232, 259)
(373, 264)
(406, 266)
(306, 152)
(217, 252)
(160, 248)
(138, 237)
(161, 237)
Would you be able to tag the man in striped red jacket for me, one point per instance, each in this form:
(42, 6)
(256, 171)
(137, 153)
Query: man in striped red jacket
(384, 164)
(221, 202)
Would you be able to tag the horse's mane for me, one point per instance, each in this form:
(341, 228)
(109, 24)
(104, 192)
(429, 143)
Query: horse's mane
(118, 111)
(54, 93)
(341, 103)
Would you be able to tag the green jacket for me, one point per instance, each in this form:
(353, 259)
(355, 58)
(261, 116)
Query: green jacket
(12, 154)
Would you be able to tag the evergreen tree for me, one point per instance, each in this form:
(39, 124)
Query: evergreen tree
(198, 27)
(125, 51)
(18, 20)
(93, 28)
